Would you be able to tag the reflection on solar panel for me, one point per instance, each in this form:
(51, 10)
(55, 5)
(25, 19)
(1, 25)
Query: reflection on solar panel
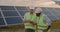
(10, 15)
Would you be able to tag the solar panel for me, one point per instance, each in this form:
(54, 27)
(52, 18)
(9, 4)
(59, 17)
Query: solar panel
(0, 14)
(7, 7)
(55, 12)
(13, 20)
(13, 15)
(51, 13)
(2, 21)
(52, 10)
(10, 13)
(23, 12)
(45, 11)
(21, 8)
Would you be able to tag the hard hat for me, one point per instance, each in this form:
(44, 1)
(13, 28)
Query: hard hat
(38, 10)
(32, 6)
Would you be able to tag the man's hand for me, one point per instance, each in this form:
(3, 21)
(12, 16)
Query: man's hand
(26, 21)
(33, 23)
(29, 21)
(47, 29)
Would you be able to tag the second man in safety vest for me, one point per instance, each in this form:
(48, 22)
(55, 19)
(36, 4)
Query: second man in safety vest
(43, 22)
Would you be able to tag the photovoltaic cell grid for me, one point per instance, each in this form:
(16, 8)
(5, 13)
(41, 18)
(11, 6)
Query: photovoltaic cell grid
(0, 14)
(2, 21)
(52, 13)
(7, 8)
(10, 15)
(22, 10)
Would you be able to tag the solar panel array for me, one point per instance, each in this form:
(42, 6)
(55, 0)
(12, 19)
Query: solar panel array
(52, 13)
(12, 15)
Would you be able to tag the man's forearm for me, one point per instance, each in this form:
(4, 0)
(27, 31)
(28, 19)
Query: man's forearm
(28, 21)
(33, 23)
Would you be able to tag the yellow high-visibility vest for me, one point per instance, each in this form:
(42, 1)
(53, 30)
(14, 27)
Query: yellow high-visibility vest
(29, 17)
(41, 25)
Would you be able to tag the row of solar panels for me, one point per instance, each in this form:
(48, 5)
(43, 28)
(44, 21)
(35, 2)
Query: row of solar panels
(10, 15)
(52, 13)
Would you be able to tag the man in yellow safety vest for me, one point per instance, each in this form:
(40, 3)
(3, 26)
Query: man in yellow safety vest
(41, 20)
(29, 16)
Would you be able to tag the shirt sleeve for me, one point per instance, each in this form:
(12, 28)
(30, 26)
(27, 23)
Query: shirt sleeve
(46, 19)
